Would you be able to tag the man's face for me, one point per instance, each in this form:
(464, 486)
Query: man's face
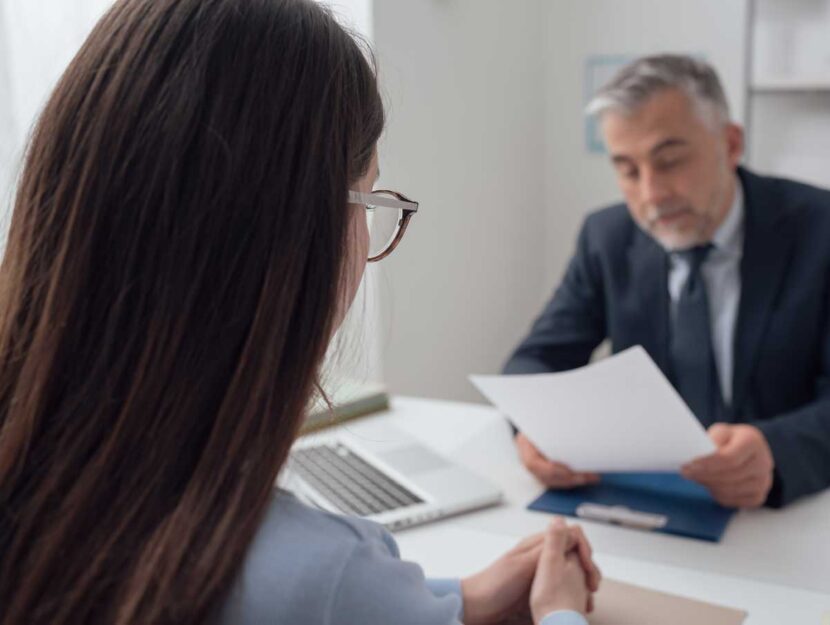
(675, 170)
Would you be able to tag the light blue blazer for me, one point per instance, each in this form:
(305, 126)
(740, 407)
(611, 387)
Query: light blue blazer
(308, 567)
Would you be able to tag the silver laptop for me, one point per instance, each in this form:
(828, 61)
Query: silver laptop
(378, 472)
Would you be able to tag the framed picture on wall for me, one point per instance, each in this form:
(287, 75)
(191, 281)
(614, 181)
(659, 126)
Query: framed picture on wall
(599, 70)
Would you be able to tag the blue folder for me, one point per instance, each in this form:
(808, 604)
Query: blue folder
(684, 508)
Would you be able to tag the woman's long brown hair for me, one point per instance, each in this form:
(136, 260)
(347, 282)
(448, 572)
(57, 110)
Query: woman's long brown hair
(167, 294)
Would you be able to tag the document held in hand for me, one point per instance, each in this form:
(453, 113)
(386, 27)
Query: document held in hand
(619, 414)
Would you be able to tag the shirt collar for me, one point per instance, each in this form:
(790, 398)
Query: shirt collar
(728, 238)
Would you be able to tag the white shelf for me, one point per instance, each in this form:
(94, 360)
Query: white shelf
(791, 84)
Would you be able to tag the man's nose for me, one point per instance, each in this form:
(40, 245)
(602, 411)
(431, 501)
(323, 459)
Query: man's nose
(654, 189)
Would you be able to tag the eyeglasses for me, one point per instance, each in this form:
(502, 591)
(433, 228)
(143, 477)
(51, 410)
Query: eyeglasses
(387, 215)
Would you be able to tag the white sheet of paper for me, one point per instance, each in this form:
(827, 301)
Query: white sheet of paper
(619, 414)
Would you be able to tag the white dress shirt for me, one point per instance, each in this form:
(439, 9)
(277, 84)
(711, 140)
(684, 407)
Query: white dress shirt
(722, 275)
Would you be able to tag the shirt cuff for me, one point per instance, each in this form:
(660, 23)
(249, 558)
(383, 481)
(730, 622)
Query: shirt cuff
(441, 587)
(564, 617)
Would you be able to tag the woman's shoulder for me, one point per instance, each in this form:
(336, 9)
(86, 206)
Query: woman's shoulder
(298, 552)
(309, 566)
(286, 513)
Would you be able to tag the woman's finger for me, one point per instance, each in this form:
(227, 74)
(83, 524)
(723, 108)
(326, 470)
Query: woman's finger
(552, 557)
(529, 542)
(593, 576)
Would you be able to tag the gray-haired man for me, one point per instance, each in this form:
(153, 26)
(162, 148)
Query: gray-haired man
(722, 275)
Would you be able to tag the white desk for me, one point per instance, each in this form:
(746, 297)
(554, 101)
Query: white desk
(766, 604)
(769, 556)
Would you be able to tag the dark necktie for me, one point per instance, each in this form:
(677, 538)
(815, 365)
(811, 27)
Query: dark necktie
(693, 361)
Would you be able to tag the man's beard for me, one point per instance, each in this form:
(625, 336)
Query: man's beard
(675, 238)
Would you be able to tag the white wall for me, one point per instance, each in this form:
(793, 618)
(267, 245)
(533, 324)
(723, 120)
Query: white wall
(8, 129)
(791, 135)
(356, 14)
(38, 38)
(487, 131)
(465, 139)
(791, 125)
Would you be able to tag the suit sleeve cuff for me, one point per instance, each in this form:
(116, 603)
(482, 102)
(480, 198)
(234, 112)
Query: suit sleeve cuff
(778, 495)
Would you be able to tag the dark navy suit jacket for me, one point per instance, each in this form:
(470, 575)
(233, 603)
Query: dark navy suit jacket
(616, 287)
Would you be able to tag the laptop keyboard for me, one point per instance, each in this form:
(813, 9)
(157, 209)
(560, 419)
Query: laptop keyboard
(350, 483)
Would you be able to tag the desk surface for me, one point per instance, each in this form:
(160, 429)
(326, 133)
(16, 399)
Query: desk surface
(766, 604)
(788, 547)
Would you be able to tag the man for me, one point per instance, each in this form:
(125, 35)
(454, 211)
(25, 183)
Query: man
(723, 277)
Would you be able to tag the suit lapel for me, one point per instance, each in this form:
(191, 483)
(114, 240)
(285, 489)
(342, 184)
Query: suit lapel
(648, 268)
(767, 245)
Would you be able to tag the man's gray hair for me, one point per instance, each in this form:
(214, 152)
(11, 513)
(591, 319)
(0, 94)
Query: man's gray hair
(638, 81)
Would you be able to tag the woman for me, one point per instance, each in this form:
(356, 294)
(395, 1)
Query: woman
(181, 251)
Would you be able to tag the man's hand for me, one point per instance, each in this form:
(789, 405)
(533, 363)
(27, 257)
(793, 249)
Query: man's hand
(739, 473)
(551, 474)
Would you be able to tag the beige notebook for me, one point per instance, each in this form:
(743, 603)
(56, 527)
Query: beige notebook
(351, 399)
(624, 604)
